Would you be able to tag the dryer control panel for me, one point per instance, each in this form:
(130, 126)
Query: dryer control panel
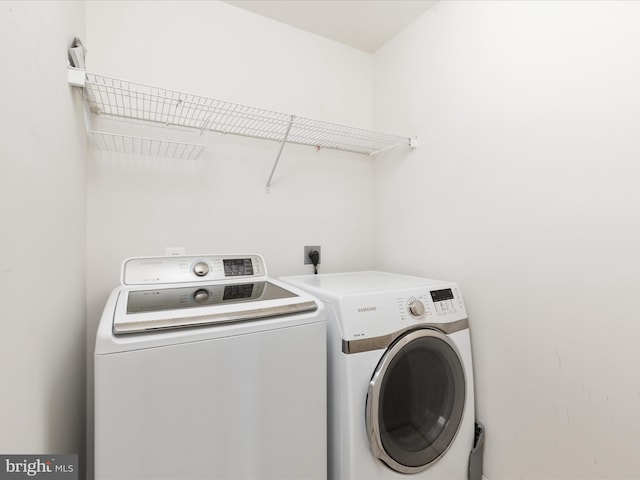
(375, 304)
(191, 268)
(446, 300)
(378, 314)
(438, 303)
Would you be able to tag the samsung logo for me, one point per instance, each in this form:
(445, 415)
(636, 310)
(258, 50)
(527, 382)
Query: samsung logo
(367, 309)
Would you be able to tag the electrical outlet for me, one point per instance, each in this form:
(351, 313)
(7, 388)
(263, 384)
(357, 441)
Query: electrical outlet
(307, 249)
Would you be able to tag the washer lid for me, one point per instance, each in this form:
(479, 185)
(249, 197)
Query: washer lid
(143, 309)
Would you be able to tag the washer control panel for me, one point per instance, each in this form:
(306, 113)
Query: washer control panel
(191, 268)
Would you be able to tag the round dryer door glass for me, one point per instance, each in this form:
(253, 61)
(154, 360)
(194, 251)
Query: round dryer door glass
(415, 401)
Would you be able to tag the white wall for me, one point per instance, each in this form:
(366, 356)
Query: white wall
(42, 254)
(525, 190)
(219, 203)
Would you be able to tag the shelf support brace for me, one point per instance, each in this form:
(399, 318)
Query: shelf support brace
(284, 140)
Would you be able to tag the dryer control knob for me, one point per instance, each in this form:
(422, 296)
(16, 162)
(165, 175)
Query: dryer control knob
(201, 269)
(201, 295)
(416, 308)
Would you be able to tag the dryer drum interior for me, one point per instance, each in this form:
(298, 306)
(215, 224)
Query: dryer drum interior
(415, 401)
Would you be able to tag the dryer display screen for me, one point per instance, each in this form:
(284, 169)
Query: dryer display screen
(237, 267)
(442, 295)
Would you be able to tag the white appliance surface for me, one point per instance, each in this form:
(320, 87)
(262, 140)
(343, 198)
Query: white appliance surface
(239, 397)
(365, 309)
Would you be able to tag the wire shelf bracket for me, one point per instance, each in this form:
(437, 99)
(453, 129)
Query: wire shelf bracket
(284, 140)
(113, 98)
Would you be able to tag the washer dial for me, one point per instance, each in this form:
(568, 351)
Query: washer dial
(201, 269)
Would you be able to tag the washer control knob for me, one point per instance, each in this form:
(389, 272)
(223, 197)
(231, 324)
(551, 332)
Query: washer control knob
(416, 307)
(201, 269)
(201, 295)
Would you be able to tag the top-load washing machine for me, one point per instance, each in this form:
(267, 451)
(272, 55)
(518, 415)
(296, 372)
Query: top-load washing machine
(205, 368)
(401, 398)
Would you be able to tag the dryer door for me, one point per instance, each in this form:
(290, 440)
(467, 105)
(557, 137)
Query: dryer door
(415, 400)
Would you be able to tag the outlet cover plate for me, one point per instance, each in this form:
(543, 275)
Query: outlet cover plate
(309, 248)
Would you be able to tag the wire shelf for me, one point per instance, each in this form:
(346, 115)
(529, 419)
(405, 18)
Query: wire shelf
(144, 146)
(120, 98)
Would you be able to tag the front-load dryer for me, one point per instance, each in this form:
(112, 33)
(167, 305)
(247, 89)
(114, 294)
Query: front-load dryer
(400, 376)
